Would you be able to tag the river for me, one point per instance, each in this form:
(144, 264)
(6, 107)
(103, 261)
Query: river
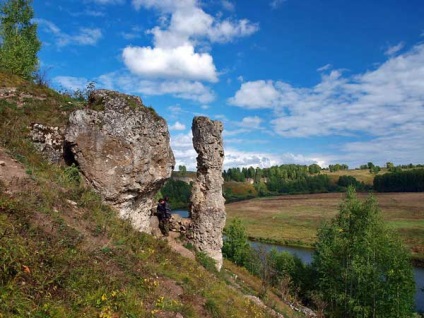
(306, 256)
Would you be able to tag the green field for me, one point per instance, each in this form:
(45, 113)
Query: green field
(294, 219)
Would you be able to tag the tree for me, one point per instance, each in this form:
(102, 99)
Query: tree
(19, 44)
(361, 267)
(182, 170)
(236, 246)
(314, 168)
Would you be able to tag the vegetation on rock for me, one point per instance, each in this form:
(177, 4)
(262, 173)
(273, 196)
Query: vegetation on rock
(63, 253)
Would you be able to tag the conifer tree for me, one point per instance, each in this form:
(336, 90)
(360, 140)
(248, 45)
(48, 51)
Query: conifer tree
(19, 44)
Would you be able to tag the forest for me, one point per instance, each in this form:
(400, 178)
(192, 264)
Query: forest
(249, 183)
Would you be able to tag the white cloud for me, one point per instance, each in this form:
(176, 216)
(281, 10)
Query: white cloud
(177, 126)
(253, 122)
(135, 33)
(191, 90)
(182, 146)
(237, 158)
(166, 6)
(180, 63)
(324, 68)
(184, 25)
(385, 104)
(226, 31)
(228, 5)
(392, 50)
(104, 2)
(374, 102)
(71, 83)
(184, 153)
(275, 4)
(85, 36)
(257, 94)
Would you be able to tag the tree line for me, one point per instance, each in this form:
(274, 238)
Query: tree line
(360, 267)
(296, 179)
(400, 181)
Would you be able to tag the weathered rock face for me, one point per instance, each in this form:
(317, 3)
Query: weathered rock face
(207, 203)
(123, 150)
(48, 140)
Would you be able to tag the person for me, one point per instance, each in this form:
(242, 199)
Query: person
(163, 213)
(167, 206)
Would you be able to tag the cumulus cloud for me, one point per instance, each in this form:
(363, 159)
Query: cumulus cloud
(84, 36)
(184, 153)
(184, 25)
(177, 126)
(190, 90)
(182, 146)
(237, 158)
(388, 97)
(179, 62)
(385, 104)
(257, 94)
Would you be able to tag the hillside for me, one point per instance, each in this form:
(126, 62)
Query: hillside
(66, 254)
(364, 176)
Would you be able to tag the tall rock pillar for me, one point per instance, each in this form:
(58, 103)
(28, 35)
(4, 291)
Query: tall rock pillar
(207, 203)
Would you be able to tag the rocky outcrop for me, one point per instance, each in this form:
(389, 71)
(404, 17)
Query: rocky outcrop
(123, 150)
(48, 140)
(207, 203)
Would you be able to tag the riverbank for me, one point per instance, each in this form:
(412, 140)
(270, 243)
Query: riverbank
(293, 220)
(416, 261)
(305, 255)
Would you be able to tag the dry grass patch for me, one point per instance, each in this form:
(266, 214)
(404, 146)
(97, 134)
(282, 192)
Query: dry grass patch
(295, 219)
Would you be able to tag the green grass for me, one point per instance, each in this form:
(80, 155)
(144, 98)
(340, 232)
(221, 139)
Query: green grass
(63, 253)
(295, 219)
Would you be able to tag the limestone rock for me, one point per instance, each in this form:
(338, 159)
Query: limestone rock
(123, 150)
(207, 203)
(48, 140)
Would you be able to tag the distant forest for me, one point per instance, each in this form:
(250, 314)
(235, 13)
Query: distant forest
(248, 183)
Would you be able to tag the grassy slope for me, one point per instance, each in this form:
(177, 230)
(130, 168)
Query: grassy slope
(364, 176)
(64, 254)
(294, 219)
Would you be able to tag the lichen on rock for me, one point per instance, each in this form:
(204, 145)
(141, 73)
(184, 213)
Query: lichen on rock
(207, 202)
(123, 150)
(48, 140)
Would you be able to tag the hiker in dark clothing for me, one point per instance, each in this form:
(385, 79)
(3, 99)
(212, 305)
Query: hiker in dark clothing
(164, 214)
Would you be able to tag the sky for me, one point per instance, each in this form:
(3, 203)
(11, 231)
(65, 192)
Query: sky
(293, 81)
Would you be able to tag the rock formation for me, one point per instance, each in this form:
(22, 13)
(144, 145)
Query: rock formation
(48, 140)
(123, 150)
(207, 203)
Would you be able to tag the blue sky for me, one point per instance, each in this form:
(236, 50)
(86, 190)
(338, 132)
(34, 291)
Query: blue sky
(293, 81)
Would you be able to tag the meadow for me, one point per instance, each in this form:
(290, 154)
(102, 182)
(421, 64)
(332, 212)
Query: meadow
(294, 219)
